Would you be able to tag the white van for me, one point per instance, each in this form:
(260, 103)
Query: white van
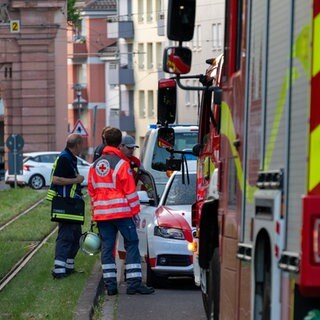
(154, 158)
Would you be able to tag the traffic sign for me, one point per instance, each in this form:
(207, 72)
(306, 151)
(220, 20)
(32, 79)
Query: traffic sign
(15, 142)
(15, 163)
(80, 129)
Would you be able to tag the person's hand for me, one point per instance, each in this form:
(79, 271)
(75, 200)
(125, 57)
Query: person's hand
(136, 220)
(80, 178)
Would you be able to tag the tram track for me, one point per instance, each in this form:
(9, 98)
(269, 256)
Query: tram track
(18, 266)
(21, 214)
(24, 260)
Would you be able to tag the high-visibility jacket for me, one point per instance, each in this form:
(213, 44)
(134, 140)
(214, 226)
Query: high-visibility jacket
(111, 187)
(135, 165)
(70, 190)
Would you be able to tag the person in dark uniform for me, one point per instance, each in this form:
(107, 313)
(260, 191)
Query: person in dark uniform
(66, 182)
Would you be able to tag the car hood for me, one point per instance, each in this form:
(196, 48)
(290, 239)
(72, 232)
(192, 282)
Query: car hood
(178, 217)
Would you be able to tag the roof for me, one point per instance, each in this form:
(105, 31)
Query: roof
(102, 5)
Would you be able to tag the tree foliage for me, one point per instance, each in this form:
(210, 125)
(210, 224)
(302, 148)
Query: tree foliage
(73, 13)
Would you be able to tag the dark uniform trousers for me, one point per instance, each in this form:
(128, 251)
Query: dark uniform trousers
(67, 246)
(108, 231)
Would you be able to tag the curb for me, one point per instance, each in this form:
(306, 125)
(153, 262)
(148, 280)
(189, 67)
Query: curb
(90, 295)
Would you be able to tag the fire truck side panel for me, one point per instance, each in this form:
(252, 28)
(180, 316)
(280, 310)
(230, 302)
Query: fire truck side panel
(245, 285)
(255, 99)
(300, 109)
(276, 91)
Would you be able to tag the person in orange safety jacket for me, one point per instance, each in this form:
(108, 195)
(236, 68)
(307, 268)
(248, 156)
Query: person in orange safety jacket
(115, 203)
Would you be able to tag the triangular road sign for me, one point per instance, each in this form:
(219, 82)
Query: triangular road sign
(80, 129)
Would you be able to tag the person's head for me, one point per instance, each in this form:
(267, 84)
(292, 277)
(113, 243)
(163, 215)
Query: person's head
(113, 137)
(103, 134)
(75, 143)
(128, 145)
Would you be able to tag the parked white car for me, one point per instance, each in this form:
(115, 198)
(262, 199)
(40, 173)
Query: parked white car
(37, 167)
(164, 228)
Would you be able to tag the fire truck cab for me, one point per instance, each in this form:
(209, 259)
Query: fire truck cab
(258, 239)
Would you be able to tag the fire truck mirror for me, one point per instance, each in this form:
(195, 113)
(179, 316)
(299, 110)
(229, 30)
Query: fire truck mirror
(181, 17)
(167, 101)
(166, 138)
(177, 60)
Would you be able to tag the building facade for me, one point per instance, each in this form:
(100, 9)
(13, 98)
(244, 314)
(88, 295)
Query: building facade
(32, 64)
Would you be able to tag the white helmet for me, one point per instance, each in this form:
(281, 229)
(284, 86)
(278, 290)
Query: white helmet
(90, 243)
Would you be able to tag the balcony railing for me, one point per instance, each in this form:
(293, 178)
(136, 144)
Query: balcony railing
(119, 119)
(120, 29)
(121, 75)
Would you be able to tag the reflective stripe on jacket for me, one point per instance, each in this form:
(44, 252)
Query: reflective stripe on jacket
(111, 187)
(67, 191)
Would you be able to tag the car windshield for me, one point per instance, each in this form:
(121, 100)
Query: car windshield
(182, 194)
(183, 141)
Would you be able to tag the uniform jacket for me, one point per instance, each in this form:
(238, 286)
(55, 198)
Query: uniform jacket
(67, 191)
(111, 187)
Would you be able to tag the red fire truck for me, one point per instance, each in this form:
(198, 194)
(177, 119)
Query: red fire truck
(258, 175)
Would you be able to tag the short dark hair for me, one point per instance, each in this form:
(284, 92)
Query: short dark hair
(113, 137)
(103, 133)
(73, 140)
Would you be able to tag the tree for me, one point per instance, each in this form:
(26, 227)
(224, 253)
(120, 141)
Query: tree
(73, 13)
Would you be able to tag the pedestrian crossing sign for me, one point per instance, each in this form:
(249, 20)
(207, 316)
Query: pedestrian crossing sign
(80, 129)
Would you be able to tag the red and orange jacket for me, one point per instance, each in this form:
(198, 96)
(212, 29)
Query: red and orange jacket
(111, 187)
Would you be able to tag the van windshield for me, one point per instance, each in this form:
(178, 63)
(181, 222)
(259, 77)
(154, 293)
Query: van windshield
(183, 140)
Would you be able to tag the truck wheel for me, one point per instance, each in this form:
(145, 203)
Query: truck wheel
(210, 298)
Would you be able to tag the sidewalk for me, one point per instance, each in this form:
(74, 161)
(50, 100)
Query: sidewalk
(95, 288)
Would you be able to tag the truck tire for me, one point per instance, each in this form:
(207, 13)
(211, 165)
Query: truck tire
(211, 298)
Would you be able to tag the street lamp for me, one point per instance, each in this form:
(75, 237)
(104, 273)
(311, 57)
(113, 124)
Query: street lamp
(78, 89)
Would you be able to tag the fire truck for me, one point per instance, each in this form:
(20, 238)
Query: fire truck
(258, 174)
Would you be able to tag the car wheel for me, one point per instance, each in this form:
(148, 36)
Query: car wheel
(152, 279)
(36, 182)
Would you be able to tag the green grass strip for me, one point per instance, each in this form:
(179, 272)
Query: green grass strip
(14, 201)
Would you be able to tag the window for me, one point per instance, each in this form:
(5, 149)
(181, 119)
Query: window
(196, 41)
(140, 56)
(150, 104)
(182, 194)
(216, 36)
(149, 55)
(183, 140)
(140, 11)
(149, 11)
(159, 55)
(142, 106)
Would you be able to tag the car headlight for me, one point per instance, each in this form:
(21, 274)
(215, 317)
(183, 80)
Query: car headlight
(171, 233)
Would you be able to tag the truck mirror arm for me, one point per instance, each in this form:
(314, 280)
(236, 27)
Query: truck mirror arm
(201, 79)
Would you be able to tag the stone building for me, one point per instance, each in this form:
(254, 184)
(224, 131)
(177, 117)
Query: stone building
(33, 72)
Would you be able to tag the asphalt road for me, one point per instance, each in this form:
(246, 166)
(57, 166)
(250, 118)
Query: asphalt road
(3, 186)
(179, 299)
